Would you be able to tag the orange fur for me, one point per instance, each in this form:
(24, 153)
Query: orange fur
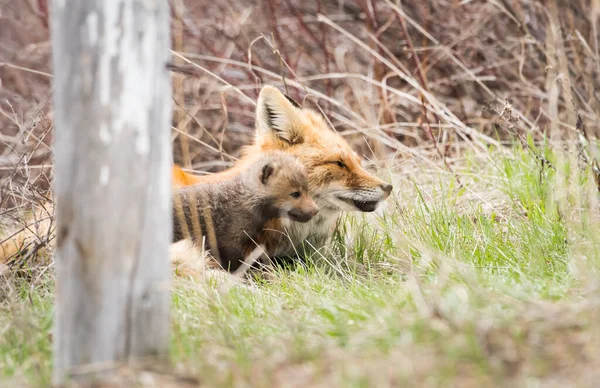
(337, 181)
(20, 240)
(283, 125)
(181, 178)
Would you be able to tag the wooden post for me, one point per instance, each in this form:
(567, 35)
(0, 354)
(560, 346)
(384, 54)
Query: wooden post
(112, 101)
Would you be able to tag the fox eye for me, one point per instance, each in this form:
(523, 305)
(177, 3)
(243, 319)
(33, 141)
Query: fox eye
(296, 194)
(340, 164)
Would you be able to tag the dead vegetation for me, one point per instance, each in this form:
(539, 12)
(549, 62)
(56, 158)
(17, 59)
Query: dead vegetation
(413, 85)
(391, 74)
(400, 84)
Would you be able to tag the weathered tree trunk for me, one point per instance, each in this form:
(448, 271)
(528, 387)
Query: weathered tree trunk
(112, 101)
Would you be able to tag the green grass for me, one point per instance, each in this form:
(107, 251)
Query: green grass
(480, 284)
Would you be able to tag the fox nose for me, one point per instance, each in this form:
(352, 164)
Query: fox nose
(311, 211)
(303, 215)
(387, 189)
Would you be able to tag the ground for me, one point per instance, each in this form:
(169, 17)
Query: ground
(483, 267)
(486, 282)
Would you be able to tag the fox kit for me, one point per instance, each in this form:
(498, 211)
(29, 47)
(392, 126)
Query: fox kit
(228, 216)
(336, 180)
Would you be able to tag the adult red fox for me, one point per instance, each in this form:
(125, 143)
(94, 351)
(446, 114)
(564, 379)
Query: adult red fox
(336, 180)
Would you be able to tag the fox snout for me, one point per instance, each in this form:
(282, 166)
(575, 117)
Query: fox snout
(305, 212)
(387, 189)
(366, 198)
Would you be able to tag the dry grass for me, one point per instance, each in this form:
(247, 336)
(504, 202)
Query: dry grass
(483, 113)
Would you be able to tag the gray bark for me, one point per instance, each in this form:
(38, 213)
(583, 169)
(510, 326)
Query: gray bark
(112, 100)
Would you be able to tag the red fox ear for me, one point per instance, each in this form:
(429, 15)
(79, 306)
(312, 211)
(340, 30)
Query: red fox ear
(267, 171)
(278, 117)
(292, 101)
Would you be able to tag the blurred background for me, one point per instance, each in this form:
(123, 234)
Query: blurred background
(491, 68)
(471, 272)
